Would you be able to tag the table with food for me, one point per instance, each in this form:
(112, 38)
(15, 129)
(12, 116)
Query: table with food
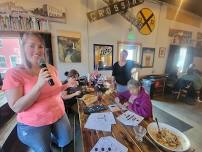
(108, 126)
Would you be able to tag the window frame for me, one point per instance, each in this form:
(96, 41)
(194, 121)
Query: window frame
(139, 45)
(11, 61)
(1, 43)
(5, 62)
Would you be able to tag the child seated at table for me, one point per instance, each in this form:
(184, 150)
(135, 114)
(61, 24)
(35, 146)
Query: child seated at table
(138, 100)
(70, 94)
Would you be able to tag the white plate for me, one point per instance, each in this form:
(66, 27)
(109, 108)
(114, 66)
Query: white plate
(184, 141)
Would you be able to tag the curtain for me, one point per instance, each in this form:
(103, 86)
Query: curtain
(189, 58)
(172, 58)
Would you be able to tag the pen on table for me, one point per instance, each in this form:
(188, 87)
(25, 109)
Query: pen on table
(105, 118)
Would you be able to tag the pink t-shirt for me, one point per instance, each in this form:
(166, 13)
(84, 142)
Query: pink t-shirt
(48, 107)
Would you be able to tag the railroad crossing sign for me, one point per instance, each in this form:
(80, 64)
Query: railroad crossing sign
(147, 19)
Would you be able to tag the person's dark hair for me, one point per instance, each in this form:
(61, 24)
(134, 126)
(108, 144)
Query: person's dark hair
(125, 51)
(132, 83)
(190, 71)
(71, 73)
(66, 73)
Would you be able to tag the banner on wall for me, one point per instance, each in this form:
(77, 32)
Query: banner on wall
(180, 37)
(112, 9)
(199, 40)
(47, 12)
(51, 13)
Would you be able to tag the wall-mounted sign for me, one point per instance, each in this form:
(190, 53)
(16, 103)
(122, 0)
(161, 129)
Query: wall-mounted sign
(103, 56)
(112, 9)
(147, 19)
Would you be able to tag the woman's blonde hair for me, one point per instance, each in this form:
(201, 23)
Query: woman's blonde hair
(24, 38)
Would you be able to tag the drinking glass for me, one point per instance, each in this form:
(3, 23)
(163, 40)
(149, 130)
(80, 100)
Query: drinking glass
(140, 132)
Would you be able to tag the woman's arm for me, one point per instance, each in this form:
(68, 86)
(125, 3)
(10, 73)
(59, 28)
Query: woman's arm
(66, 96)
(18, 102)
(144, 108)
(71, 83)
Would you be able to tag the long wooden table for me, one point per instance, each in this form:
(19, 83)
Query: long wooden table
(124, 134)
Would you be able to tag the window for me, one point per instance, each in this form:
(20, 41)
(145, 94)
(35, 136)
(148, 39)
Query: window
(2, 61)
(181, 59)
(132, 48)
(1, 43)
(10, 52)
(13, 60)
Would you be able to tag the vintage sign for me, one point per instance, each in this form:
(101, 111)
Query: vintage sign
(180, 37)
(147, 19)
(112, 9)
(103, 56)
(51, 13)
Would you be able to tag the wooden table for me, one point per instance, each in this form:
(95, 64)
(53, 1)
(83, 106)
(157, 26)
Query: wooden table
(124, 134)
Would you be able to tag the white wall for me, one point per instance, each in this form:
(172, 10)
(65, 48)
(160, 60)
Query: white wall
(107, 31)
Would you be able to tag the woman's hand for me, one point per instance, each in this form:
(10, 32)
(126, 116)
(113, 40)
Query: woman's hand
(43, 77)
(126, 104)
(72, 83)
(77, 93)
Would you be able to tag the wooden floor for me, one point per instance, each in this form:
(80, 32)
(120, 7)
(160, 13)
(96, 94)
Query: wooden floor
(191, 114)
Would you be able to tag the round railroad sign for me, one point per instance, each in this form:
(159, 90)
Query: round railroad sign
(147, 21)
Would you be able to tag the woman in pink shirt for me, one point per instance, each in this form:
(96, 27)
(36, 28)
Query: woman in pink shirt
(40, 110)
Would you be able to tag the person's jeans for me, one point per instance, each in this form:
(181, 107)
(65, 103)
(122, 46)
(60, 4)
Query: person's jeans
(121, 88)
(40, 138)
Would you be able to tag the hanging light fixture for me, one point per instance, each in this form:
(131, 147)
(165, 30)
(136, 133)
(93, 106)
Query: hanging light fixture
(131, 33)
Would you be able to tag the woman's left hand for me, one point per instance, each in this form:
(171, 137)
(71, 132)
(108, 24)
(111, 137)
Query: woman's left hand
(72, 83)
(126, 104)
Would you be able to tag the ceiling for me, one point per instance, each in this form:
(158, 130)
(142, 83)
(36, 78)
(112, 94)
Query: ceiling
(194, 6)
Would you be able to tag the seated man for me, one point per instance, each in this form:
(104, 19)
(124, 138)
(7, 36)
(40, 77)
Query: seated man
(138, 100)
(196, 79)
(70, 94)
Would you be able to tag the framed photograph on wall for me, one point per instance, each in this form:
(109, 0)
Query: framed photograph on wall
(148, 57)
(69, 47)
(162, 52)
(103, 56)
(133, 48)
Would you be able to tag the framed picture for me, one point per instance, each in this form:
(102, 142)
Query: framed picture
(103, 56)
(162, 52)
(148, 57)
(133, 48)
(69, 47)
